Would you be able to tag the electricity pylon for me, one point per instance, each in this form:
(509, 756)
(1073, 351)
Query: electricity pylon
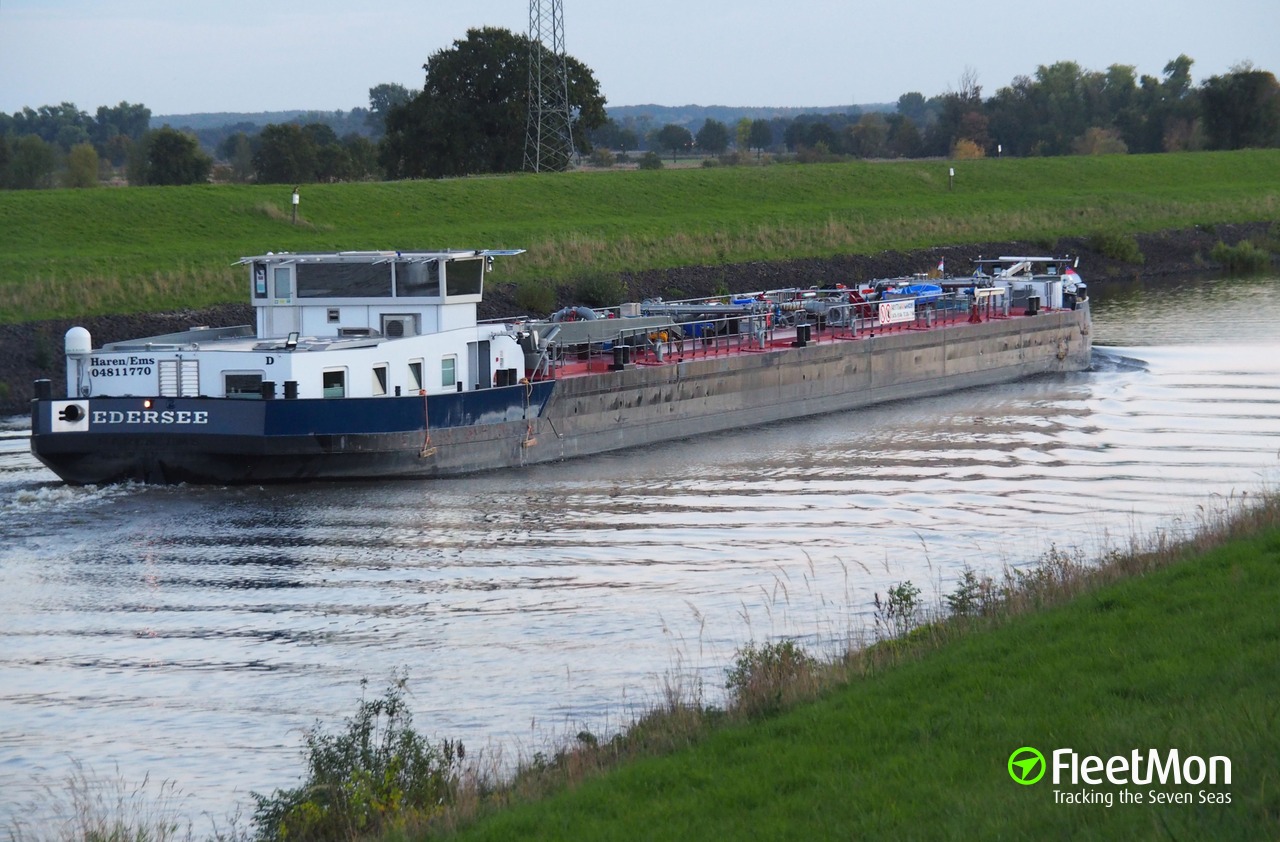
(548, 143)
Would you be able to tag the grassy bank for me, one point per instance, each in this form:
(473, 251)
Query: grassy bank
(1170, 647)
(85, 252)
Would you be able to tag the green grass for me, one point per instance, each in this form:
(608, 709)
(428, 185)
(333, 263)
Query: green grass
(80, 252)
(1181, 657)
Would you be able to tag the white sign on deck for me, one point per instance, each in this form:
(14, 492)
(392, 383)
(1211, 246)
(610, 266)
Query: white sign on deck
(895, 312)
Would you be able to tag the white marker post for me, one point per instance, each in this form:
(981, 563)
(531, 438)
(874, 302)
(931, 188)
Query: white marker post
(295, 206)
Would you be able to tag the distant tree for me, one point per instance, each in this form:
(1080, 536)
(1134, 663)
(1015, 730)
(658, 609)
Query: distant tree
(1241, 109)
(471, 115)
(173, 158)
(904, 138)
(713, 137)
(869, 137)
(31, 163)
(63, 125)
(382, 99)
(4, 156)
(612, 135)
(82, 166)
(237, 150)
(761, 137)
(285, 154)
(673, 137)
(122, 121)
(362, 154)
(914, 107)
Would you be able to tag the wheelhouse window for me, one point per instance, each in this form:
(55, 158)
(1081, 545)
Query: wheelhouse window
(282, 285)
(418, 278)
(334, 383)
(344, 280)
(465, 277)
(379, 380)
(248, 386)
(448, 372)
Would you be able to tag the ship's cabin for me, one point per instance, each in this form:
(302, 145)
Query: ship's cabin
(364, 293)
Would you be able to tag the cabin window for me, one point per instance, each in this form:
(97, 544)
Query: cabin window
(335, 383)
(419, 279)
(344, 280)
(448, 372)
(465, 277)
(415, 376)
(243, 385)
(379, 380)
(334, 315)
(282, 286)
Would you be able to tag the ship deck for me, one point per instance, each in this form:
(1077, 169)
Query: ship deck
(599, 358)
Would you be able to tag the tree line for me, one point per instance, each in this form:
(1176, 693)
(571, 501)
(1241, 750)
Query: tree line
(470, 118)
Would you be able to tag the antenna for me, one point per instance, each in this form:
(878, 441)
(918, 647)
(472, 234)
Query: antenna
(548, 143)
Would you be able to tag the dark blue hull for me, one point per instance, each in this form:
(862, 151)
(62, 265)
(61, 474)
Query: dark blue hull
(216, 440)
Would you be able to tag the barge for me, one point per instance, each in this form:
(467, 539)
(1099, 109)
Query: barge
(374, 365)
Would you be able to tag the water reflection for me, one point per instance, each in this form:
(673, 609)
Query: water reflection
(190, 633)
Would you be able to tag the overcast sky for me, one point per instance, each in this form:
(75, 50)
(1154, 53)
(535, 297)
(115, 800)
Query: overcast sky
(179, 56)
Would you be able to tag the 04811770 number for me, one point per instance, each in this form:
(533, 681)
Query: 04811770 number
(120, 371)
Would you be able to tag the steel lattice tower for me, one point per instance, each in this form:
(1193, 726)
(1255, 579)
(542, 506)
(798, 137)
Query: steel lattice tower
(548, 143)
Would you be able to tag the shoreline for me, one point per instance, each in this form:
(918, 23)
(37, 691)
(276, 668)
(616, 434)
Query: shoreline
(33, 350)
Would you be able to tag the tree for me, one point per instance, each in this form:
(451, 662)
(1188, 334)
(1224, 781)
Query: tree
(4, 156)
(869, 137)
(1241, 109)
(761, 135)
(382, 99)
(237, 150)
(82, 166)
(713, 137)
(31, 163)
(173, 157)
(122, 121)
(673, 137)
(285, 155)
(471, 115)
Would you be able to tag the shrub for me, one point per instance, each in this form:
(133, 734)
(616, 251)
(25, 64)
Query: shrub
(602, 158)
(899, 612)
(650, 161)
(378, 775)
(599, 290)
(535, 297)
(966, 150)
(765, 679)
(1117, 246)
(1244, 258)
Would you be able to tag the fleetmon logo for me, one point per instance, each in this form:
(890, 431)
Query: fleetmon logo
(1027, 765)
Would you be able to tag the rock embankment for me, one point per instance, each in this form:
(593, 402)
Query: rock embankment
(32, 350)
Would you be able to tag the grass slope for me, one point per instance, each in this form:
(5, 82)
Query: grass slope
(84, 252)
(1181, 658)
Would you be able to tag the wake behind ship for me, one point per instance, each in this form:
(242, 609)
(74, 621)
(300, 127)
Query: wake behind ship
(366, 365)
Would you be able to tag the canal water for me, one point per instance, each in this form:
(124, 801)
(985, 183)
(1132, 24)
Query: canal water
(191, 635)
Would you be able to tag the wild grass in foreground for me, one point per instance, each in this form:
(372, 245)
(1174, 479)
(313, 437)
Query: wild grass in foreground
(92, 807)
